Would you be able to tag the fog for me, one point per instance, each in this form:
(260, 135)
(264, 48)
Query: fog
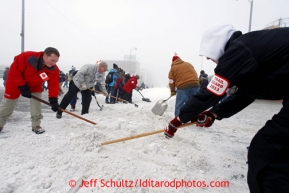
(89, 30)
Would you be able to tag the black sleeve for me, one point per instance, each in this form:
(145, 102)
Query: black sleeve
(236, 63)
(197, 104)
(232, 105)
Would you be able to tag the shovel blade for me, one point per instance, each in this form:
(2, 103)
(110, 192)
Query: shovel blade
(146, 99)
(160, 107)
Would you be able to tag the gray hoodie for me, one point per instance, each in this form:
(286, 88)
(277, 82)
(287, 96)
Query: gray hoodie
(89, 75)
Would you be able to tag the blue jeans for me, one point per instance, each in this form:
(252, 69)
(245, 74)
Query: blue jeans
(43, 86)
(183, 96)
(73, 100)
(110, 90)
(65, 84)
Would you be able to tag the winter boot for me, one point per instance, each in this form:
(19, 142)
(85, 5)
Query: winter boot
(58, 114)
(72, 108)
(38, 129)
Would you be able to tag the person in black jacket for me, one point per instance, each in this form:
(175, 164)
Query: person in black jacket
(258, 64)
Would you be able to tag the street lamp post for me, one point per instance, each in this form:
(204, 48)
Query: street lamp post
(251, 11)
(130, 52)
(22, 27)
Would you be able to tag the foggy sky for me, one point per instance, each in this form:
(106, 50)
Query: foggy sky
(85, 31)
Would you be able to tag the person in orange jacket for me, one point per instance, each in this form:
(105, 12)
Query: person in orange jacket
(26, 75)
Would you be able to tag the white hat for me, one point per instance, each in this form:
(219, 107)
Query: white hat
(214, 41)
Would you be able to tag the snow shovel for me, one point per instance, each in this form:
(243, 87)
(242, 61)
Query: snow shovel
(63, 110)
(115, 97)
(160, 107)
(98, 103)
(143, 98)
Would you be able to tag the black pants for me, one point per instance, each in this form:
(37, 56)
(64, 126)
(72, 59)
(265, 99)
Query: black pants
(127, 96)
(268, 156)
(72, 91)
(86, 99)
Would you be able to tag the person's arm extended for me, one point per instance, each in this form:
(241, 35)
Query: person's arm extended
(198, 103)
(232, 105)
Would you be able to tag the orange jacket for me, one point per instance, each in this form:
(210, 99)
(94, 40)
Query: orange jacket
(182, 75)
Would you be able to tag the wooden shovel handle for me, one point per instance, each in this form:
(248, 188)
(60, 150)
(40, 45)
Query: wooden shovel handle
(114, 97)
(45, 102)
(108, 95)
(142, 135)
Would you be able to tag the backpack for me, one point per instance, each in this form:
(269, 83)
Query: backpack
(109, 78)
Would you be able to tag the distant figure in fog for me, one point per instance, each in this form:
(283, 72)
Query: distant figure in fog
(5, 76)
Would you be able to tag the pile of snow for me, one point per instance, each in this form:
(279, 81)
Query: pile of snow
(69, 152)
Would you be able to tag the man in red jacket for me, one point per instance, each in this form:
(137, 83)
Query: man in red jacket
(27, 72)
(127, 88)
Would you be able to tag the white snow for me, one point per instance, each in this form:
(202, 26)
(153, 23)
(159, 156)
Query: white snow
(69, 149)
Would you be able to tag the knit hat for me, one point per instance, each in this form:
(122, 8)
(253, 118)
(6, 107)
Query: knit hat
(73, 68)
(137, 76)
(115, 66)
(175, 57)
(103, 64)
(202, 72)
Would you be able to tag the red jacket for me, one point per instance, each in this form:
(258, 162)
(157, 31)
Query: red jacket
(117, 82)
(25, 70)
(131, 84)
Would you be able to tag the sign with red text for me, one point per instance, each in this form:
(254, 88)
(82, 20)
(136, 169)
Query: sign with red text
(218, 85)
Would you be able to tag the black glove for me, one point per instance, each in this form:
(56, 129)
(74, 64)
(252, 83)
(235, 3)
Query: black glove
(92, 92)
(54, 102)
(25, 91)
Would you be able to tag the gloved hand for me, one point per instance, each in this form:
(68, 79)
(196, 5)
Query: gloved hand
(83, 86)
(173, 93)
(25, 91)
(54, 102)
(169, 132)
(92, 93)
(105, 93)
(205, 119)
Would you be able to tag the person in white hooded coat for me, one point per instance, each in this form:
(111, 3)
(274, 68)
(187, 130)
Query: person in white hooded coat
(258, 64)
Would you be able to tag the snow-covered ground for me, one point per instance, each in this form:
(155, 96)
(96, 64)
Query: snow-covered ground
(68, 150)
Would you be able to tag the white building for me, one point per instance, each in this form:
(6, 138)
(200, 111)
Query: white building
(132, 67)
